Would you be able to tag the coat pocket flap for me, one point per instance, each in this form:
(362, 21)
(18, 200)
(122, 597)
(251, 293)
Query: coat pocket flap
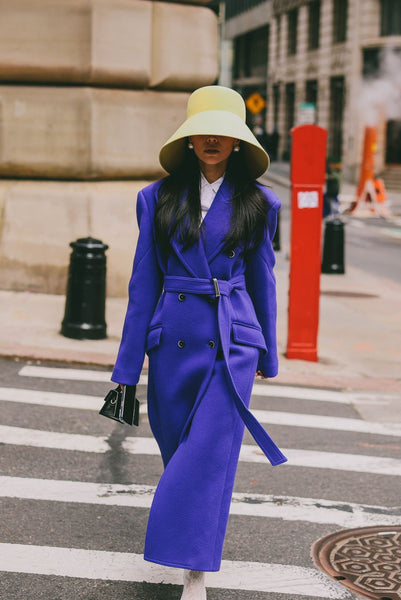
(153, 338)
(248, 335)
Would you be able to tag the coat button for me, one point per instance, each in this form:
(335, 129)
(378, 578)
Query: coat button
(181, 344)
(231, 254)
(211, 344)
(181, 297)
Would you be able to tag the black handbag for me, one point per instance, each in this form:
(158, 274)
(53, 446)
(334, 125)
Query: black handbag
(122, 405)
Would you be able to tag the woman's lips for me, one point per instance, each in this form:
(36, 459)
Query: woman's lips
(211, 151)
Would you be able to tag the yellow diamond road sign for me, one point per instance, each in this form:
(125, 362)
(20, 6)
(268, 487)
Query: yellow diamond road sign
(255, 103)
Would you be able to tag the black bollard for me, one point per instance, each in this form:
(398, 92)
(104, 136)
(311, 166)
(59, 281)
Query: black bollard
(333, 247)
(276, 238)
(85, 302)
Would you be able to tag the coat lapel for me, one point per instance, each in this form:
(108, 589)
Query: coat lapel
(193, 258)
(217, 221)
(215, 226)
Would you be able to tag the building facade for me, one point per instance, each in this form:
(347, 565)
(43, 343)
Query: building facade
(89, 92)
(333, 62)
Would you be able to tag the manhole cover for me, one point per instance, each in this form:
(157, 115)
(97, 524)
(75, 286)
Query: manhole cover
(366, 560)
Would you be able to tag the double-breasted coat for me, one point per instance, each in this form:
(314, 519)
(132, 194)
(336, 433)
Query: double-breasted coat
(207, 320)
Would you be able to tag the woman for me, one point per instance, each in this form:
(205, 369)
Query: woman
(203, 306)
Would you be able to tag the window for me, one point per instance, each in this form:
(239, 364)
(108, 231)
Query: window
(340, 13)
(251, 53)
(276, 103)
(289, 111)
(390, 17)
(337, 99)
(311, 93)
(393, 142)
(278, 37)
(371, 63)
(313, 25)
(237, 7)
(292, 30)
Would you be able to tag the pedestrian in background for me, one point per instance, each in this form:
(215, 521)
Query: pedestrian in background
(202, 304)
(273, 143)
(331, 202)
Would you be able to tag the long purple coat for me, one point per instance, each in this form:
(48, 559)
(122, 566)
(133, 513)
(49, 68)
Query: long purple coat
(207, 320)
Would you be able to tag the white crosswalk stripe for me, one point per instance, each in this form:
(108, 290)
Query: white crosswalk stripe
(64, 373)
(264, 390)
(234, 575)
(359, 463)
(321, 422)
(289, 419)
(37, 438)
(55, 399)
(288, 508)
(121, 566)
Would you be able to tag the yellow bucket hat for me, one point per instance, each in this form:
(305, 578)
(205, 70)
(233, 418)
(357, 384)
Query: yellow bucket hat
(215, 110)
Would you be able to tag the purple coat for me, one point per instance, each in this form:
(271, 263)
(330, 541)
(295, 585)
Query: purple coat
(207, 320)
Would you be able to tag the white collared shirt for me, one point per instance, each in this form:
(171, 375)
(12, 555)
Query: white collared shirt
(208, 192)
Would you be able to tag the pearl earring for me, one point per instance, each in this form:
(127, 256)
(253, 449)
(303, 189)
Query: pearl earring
(190, 145)
(236, 149)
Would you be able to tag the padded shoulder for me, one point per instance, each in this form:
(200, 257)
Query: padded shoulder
(270, 196)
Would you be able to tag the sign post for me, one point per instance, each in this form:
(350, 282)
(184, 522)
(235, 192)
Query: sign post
(308, 172)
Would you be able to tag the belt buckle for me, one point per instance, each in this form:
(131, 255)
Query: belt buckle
(216, 287)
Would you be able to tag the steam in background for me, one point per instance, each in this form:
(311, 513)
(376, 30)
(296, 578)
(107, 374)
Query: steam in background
(380, 96)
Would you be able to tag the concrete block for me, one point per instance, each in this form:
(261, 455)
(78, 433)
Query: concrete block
(85, 133)
(80, 41)
(45, 132)
(37, 37)
(39, 219)
(129, 128)
(185, 46)
(121, 42)
(112, 210)
(124, 43)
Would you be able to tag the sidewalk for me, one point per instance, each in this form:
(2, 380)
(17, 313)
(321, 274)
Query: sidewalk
(359, 344)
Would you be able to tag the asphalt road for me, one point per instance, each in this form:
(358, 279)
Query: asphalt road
(68, 477)
(371, 244)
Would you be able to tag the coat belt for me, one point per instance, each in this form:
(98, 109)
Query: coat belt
(206, 287)
(221, 289)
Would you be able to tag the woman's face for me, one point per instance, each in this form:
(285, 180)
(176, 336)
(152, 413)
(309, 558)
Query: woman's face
(213, 150)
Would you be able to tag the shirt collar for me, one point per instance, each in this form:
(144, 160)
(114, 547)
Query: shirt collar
(214, 186)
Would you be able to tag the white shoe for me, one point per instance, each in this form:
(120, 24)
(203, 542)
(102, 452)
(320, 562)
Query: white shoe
(194, 586)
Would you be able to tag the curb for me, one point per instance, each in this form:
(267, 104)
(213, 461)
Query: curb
(37, 354)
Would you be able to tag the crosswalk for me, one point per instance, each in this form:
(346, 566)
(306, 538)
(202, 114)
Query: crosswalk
(37, 387)
(359, 463)
(248, 504)
(271, 417)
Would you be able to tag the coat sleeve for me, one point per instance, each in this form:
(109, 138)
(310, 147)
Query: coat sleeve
(261, 286)
(144, 291)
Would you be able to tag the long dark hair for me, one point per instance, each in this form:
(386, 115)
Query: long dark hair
(178, 211)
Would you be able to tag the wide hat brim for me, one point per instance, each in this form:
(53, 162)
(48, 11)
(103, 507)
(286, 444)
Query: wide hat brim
(215, 122)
